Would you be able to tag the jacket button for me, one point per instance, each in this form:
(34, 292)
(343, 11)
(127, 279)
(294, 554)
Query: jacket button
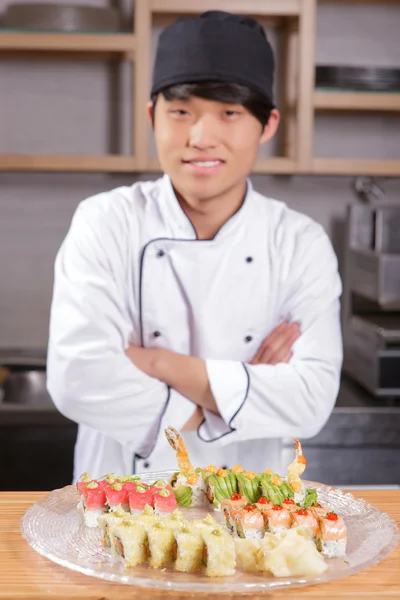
(249, 259)
(160, 253)
(248, 338)
(156, 334)
(146, 465)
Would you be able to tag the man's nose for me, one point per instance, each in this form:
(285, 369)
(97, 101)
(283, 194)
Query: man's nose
(204, 134)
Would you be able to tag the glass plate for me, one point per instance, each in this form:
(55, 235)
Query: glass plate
(54, 528)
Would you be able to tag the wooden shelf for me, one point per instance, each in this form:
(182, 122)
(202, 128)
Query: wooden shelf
(64, 162)
(299, 100)
(365, 101)
(67, 42)
(353, 166)
(271, 8)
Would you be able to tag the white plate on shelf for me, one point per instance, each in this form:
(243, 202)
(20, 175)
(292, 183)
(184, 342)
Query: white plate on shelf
(54, 528)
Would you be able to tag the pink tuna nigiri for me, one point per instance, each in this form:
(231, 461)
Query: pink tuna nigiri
(140, 497)
(117, 495)
(164, 501)
(94, 501)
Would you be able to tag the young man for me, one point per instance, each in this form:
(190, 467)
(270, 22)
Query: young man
(194, 301)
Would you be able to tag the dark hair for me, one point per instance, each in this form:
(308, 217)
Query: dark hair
(231, 93)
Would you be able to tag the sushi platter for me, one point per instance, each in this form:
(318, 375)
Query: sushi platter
(209, 529)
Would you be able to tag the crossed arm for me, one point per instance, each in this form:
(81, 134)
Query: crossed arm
(188, 374)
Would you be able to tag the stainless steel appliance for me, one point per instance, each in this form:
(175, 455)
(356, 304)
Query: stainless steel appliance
(371, 300)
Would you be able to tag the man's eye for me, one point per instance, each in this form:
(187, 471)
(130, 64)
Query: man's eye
(180, 112)
(232, 113)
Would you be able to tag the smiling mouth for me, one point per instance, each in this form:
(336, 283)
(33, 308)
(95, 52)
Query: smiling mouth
(204, 164)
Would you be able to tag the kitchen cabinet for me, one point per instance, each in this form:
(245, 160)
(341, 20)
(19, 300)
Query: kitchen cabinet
(300, 102)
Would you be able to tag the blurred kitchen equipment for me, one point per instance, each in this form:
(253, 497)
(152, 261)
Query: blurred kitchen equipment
(374, 252)
(61, 17)
(23, 378)
(371, 295)
(357, 78)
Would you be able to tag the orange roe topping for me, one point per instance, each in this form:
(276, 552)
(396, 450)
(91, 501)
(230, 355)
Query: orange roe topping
(277, 507)
(302, 512)
(236, 496)
(332, 516)
(302, 460)
(192, 479)
(237, 469)
(289, 501)
(211, 469)
(249, 507)
(221, 472)
(268, 472)
(249, 475)
(263, 501)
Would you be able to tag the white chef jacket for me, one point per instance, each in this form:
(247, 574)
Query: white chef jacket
(131, 270)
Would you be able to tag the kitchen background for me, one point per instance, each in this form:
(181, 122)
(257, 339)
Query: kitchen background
(65, 106)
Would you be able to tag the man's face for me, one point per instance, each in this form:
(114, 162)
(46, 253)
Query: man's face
(207, 147)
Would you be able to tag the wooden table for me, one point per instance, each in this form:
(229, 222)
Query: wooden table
(25, 574)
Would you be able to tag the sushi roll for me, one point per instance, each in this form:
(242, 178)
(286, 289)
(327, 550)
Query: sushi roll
(94, 502)
(208, 523)
(139, 498)
(147, 517)
(249, 523)
(219, 553)
(107, 521)
(271, 488)
(277, 519)
(249, 485)
(162, 544)
(290, 505)
(82, 483)
(129, 541)
(220, 486)
(304, 518)
(230, 506)
(117, 495)
(331, 538)
(318, 510)
(190, 489)
(188, 483)
(189, 550)
(164, 502)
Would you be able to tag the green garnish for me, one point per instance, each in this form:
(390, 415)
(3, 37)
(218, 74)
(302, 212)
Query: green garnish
(311, 498)
(92, 485)
(141, 489)
(164, 493)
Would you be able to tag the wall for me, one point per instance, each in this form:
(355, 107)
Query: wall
(61, 106)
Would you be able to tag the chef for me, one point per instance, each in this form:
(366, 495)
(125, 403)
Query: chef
(193, 300)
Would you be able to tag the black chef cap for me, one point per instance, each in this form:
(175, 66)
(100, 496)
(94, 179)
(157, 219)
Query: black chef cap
(216, 46)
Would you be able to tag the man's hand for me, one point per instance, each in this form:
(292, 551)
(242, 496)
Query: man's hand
(277, 346)
(145, 359)
(185, 374)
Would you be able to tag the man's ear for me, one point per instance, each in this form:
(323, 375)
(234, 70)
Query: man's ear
(271, 127)
(150, 113)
